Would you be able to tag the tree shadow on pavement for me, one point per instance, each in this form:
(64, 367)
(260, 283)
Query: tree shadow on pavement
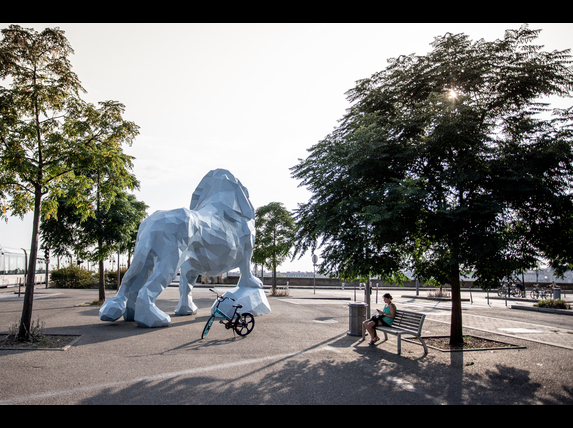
(327, 374)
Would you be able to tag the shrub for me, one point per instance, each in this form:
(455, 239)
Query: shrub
(439, 293)
(280, 292)
(553, 303)
(111, 276)
(71, 277)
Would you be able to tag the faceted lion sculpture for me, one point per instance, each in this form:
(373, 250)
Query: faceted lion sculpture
(216, 234)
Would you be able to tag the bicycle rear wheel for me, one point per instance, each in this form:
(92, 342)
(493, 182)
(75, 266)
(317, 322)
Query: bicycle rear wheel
(208, 326)
(245, 324)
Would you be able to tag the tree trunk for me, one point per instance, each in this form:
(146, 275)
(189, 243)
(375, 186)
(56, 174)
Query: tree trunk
(274, 286)
(99, 252)
(101, 282)
(26, 320)
(456, 334)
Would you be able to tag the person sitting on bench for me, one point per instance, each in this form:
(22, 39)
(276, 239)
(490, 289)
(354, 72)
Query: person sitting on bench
(385, 317)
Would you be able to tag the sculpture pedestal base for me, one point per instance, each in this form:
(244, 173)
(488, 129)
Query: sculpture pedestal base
(253, 300)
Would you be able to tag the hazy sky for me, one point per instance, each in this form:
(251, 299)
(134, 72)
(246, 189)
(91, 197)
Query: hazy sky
(250, 98)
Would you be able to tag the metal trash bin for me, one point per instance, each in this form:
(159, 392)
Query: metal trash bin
(356, 316)
(557, 293)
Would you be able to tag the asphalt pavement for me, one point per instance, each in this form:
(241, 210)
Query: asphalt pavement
(300, 353)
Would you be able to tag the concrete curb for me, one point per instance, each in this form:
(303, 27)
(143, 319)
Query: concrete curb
(547, 310)
(440, 299)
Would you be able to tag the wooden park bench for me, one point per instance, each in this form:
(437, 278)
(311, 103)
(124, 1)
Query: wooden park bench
(406, 323)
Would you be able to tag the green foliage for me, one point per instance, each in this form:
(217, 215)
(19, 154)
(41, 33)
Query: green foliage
(274, 231)
(553, 303)
(444, 164)
(51, 141)
(97, 236)
(71, 277)
(111, 276)
(49, 137)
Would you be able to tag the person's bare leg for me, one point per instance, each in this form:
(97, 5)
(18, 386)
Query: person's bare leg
(371, 331)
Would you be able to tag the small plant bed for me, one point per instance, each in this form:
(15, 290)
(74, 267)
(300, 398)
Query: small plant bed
(439, 294)
(37, 339)
(471, 343)
(553, 304)
(280, 292)
(60, 342)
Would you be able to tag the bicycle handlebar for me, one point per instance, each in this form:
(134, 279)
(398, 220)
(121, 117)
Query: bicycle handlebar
(221, 297)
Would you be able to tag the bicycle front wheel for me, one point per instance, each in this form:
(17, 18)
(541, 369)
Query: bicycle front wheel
(208, 326)
(245, 324)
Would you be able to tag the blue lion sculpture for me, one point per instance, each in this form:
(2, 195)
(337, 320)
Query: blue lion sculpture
(216, 234)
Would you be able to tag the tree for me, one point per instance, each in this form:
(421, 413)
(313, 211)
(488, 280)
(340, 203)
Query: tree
(126, 215)
(111, 229)
(48, 135)
(446, 164)
(96, 237)
(274, 231)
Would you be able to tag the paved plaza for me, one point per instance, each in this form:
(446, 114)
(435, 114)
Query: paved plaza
(300, 353)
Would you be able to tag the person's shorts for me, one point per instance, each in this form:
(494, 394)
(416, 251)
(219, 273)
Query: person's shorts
(378, 321)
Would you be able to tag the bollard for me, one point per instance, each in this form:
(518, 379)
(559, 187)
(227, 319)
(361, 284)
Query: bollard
(356, 318)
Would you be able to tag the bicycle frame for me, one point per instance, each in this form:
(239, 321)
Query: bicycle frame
(242, 323)
(219, 312)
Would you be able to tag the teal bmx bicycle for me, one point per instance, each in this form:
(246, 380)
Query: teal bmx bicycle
(242, 324)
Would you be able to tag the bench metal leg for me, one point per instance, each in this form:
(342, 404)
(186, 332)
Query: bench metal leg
(424, 345)
(422, 342)
(399, 341)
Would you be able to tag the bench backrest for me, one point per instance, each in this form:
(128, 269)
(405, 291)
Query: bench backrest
(409, 320)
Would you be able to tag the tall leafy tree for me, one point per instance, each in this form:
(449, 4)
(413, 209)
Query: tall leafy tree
(274, 232)
(446, 163)
(49, 136)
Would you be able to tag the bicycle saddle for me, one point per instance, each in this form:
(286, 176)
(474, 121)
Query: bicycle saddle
(237, 306)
